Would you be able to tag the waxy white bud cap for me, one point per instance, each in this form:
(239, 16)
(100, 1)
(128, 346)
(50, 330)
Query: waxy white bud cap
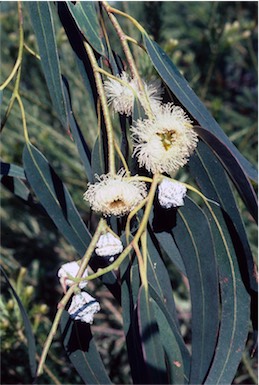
(83, 307)
(108, 245)
(171, 194)
(71, 268)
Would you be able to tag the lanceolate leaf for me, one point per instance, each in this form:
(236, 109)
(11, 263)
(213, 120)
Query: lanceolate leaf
(81, 349)
(54, 196)
(130, 283)
(85, 16)
(76, 41)
(183, 92)
(193, 238)
(158, 278)
(234, 169)
(161, 291)
(235, 304)
(27, 327)
(178, 356)
(213, 181)
(97, 161)
(154, 359)
(83, 149)
(13, 178)
(41, 19)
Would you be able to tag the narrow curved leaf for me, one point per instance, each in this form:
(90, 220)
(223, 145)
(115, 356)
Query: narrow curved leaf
(178, 356)
(82, 352)
(83, 149)
(130, 284)
(234, 169)
(158, 278)
(193, 238)
(183, 92)
(54, 196)
(154, 357)
(97, 160)
(41, 19)
(235, 304)
(27, 327)
(77, 44)
(85, 17)
(213, 181)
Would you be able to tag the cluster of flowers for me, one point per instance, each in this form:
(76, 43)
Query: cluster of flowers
(162, 144)
(83, 306)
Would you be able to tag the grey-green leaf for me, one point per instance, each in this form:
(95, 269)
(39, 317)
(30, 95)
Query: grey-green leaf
(83, 149)
(154, 363)
(211, 177)
(42, 21)
(55, 198)
(85, 17)
(178, 356)
(193, 237)
(235, 306)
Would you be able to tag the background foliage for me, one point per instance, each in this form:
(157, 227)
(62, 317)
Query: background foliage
(214, 45)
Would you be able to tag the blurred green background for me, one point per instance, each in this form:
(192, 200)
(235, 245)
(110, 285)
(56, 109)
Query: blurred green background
(214, 44)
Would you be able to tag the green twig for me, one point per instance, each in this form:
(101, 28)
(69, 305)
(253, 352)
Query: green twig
(105, 109)
(124, 42)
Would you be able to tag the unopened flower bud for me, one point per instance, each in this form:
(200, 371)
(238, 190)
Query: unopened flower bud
(171, 194)
(71, 269)
(108, 245)
(29, 290)
(10, 304)
(83, 307)
(43, 308)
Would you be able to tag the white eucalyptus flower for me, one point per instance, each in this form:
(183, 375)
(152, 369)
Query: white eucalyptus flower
(121, 97)
(108, 245)
(164, 144)
(115, 194)
(171, 194)
(83, 307)
(70, 268)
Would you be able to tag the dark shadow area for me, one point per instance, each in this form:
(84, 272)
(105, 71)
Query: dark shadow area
(76, 335)
(164, 219)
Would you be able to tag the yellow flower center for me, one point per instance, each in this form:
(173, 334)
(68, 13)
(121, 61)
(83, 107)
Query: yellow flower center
(168, 138)
(117, 204)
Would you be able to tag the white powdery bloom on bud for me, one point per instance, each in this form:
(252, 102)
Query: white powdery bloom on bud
(108, 245)
(164, 143)
(83, 307)
(121, 97)
(171, 194)
(70, 268)
(115, 194)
